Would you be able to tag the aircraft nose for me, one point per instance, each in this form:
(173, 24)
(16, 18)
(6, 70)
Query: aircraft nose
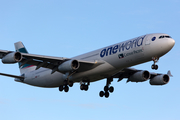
(171, 42)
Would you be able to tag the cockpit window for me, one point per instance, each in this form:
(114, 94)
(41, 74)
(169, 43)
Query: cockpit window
(161, 37)
(168, 36)
(164, 36)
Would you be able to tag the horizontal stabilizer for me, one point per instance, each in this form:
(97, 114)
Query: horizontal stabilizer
(13, 76)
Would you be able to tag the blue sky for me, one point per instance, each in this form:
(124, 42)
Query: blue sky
(69, 28)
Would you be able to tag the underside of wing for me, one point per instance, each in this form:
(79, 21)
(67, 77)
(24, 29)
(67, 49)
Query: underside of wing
(135, 75)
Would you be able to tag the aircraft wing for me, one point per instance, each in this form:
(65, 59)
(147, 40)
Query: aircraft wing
(49, 61)
(128, 72)
(125, 73)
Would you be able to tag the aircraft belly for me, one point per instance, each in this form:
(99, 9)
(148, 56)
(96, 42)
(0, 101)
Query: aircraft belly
(100, 72)
(45, 79)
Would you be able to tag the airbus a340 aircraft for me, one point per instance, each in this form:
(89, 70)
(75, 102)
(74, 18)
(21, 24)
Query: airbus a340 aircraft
(110, 62)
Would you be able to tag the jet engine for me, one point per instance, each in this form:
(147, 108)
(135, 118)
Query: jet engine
(160, 80)
(68, 66)
(13, 57)
(140, 76)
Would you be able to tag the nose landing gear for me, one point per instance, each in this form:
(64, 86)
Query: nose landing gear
(155, 60)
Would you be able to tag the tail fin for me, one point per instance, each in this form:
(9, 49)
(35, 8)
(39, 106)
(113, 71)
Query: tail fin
(169, 73)
(26, 67)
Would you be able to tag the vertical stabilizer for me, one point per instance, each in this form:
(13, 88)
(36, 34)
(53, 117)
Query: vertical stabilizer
(169, 73)
(26, 67)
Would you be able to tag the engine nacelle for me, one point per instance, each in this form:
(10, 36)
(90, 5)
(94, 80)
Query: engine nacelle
(160, 80)
(13, 57)
(68, 66)
(140, 76)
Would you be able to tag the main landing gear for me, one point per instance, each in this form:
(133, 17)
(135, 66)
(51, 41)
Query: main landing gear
(155, 60)
(107, 89)
(66, 85)
(84, 85)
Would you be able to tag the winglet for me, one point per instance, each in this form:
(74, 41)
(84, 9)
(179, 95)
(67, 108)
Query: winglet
(169, 73)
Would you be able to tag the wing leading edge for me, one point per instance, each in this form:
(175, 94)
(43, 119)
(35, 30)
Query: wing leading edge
(50, 62)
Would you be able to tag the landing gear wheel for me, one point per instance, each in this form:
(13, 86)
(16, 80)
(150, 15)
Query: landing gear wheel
(82, 87)
(60, 88)
(156, 67)
(153, 66)
(111, 89)
(85, 87)
(71, 83)
(66, 88)
(106, 94)
(101, 93)
(106, 88)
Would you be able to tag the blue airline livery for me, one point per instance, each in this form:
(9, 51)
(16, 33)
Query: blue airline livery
(107, 63)
(137, 42)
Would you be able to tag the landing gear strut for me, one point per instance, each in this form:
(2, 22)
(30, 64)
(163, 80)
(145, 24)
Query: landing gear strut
(107, 89)
(155, 60)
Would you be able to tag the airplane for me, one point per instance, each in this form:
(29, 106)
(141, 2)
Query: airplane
(114, 61)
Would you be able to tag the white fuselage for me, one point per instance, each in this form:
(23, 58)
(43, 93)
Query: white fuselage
(115, 58)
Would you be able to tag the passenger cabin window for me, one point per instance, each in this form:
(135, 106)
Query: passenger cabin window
(164, 36)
